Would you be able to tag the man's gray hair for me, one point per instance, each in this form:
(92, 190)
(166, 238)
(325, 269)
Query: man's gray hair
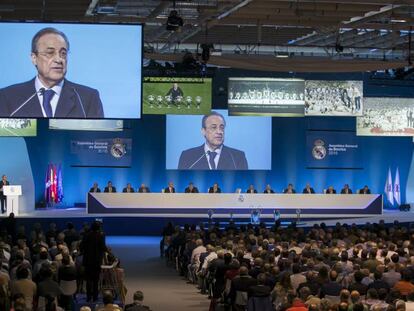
(45, 31)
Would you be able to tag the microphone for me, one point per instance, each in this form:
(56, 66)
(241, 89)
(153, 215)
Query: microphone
(41, 91)
(80, 102)
(198, 160)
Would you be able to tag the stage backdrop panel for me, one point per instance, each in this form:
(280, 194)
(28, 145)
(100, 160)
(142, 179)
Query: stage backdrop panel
(329, 149)
(106, 57)
(102, 152)
(250, 135)
(333, 98)
(387, 116)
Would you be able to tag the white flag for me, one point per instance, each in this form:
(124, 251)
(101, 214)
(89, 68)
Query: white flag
(388, 188)
(397, 192)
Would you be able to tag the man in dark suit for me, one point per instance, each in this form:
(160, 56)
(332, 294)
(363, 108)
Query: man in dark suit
(268, 189)
(144, 189)
(289, 189)
(3, 182)
(191, 188)
(330, 190)
(49, 94)
(128, 189)
(214, 189)
(93, 248)
(170, 188)
(95, 188)
(308, 189)
(251, 189)
(364, 190)
(346, 189)
(213, 155)
(109, 188)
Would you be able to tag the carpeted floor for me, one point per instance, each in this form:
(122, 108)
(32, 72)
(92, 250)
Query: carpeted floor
(163, 288)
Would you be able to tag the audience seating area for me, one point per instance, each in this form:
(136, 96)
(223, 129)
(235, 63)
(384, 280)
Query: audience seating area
(344, 268)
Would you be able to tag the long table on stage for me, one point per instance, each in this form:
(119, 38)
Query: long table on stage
(237, 204)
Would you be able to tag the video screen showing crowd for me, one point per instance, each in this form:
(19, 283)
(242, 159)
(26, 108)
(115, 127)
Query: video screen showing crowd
(387, 117)
(18, 127)
(333, 98)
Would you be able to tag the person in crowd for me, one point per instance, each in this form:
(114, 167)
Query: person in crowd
(330, 190)
(251, 189)
(144, 189)
(289, 189)
(365, 190)
(268, 189)
(128, 189)
(109, 188)
(346, 189)
(170, 188)
(214, 189)
(108, 302)
(308, 189)
(95, 188)
(191, 188)
(3, 201)
(138, 304)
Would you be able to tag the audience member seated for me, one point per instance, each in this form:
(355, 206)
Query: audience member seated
(95, 188)
(214, 189)
(128, 189)
(289, 189)
(364, 190)
(330, 190)
(170, 188)
(251, 189)
(143, 189)
(138, 304)
(346, 189)
(108, 302)
(109, 188)
(308, 189)
(191, 188)
(268, 189)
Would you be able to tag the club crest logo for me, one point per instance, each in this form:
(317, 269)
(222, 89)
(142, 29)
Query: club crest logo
(118, 149)
(319, 150)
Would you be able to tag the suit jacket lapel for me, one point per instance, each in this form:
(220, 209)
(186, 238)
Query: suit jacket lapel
(67, 101)
(225, 161)
(32, 108)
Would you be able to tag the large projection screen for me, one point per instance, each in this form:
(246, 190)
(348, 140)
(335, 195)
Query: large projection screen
(101, 68)
(387, 116)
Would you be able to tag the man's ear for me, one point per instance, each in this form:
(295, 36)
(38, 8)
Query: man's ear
(33, 56)
(203, 132)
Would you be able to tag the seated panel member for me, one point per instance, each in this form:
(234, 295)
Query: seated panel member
(251, 189)
(128, 189)
(170, 188)
(268, 189)
(364, 190)
(308, 189)
(191, 188)
(214, 189)
(346, 189)
(330, 190)
(109, 188)
(289, 189)
(143, 189)
(95, 188)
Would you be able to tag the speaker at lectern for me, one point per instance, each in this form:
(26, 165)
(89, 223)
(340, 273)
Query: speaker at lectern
(12, 192)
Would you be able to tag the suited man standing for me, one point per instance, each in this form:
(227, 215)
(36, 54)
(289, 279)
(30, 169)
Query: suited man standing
(191, 188)
(49, 94)
(109, 188)
(128, 189)
(170, 188)
(308, 189)
(95, 188)
(214, 189)
(213, 154)
(93, 248)
(3, 182)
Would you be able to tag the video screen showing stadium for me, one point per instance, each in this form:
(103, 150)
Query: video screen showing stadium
(18, 127)
(174, 95)
(333, 98)
(387, 116)
(266, 96)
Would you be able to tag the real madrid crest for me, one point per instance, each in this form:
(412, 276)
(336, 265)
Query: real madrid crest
(118, 149)
(319, 150)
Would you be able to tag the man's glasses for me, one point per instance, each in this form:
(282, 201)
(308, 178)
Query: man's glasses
(214, 128)
(49, 54)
